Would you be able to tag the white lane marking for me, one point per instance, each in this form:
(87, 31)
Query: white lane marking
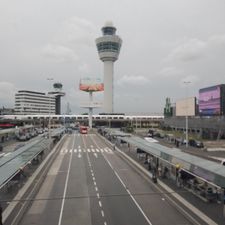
(79, 155)
(93, 178)
(98, 196)
(92, 150)
(75, 150)
(102, 150)
(91, 171)
(71, 150)
(65, 187)
(84, 150)
(138, 206)
(105, 223)
(100, 203)
(96, 155)
(96, 188)
(88, 150)
(106, 150)
(66, 150)
(79, 146)
(95, 183)
(97, 150)
(102, 212)
(92, 174)
(79, 150)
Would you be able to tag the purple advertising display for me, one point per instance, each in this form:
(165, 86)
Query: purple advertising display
(209, 101)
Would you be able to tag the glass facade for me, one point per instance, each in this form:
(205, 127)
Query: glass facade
(108, 46)
(109, 30)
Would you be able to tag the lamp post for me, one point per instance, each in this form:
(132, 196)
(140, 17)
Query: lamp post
(186, 116)
(49, 121)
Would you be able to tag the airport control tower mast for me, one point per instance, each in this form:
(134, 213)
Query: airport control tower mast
(58, 93)
(108, 49)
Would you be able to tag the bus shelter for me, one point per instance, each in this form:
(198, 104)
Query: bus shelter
(203, 177)
(14, 163)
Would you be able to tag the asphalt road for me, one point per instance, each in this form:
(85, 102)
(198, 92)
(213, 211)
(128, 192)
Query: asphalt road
(89, 184)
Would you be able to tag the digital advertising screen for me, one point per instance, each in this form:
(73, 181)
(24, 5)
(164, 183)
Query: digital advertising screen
(91, 84)
(209, 101)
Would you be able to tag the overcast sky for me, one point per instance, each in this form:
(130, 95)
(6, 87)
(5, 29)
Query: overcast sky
(165, 42)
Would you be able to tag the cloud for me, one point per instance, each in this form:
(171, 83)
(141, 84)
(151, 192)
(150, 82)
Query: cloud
(218, 40)
(133, 80)
(84, 68)
(76, 31)
(59, 53)
(190, 50)
(170, 72)
(7, 94)
(195, 49)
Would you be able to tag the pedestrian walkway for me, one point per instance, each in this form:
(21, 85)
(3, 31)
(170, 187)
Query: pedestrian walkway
(86, 150)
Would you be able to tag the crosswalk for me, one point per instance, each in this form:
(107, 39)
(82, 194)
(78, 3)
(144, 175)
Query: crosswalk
(84, 135)
(86, 150)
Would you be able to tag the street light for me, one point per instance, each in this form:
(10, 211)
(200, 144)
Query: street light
(186, 116)
(49, 121)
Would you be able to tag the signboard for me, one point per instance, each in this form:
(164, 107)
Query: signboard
(91, 84)
(209, 101)
(186, 107)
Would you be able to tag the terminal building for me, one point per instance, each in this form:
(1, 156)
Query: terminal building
(205, 114)
(34, 103)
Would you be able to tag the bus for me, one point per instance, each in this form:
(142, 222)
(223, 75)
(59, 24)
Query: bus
(83, 130)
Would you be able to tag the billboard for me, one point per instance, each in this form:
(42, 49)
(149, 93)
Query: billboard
(186, 107)
(91, 84)
(209, 101)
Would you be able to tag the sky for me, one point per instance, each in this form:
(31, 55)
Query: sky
(166, 43)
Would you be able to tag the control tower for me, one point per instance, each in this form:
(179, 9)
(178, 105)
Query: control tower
(108, 49)
(58, 94)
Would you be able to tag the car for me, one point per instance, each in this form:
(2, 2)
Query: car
(195, 143)
(192, 143)
(199, 144)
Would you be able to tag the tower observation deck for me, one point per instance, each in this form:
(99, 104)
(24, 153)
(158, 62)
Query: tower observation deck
(108, 47)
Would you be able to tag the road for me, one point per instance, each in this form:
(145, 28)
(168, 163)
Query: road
(90, 184)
